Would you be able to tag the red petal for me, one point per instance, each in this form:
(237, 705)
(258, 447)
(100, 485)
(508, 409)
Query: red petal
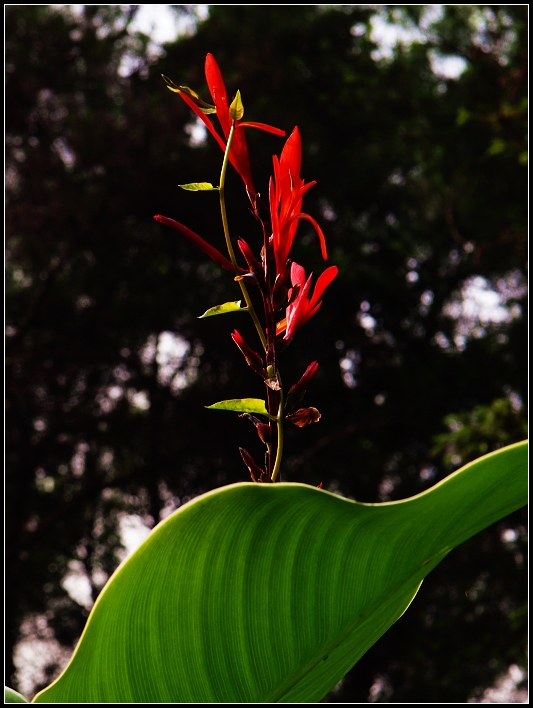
(322, 283)
(297, 274)
(308, 374)
(211, 251)
(317, 229)
(291, 155)
(216, 86)
(262, 126)
(239, 158)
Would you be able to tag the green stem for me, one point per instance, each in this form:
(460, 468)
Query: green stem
(279, 451)
(229, 245)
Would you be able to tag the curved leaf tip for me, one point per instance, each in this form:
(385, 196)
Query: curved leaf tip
(11, 696)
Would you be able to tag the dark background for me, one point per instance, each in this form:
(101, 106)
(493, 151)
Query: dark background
(421, 187)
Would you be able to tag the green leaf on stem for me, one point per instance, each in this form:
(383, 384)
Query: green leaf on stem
(222, 309)
(243, 405)
(270, 593)
(199, 187)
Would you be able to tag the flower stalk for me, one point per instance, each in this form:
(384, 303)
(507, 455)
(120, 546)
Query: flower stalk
(229, 245)
(285, 291)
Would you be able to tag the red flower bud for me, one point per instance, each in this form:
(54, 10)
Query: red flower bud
(256, 473)
(297, 392)
(251, 260)
(253, 359)
(211, 251)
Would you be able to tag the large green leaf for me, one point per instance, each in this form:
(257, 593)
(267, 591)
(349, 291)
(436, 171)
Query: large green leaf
(11, 696)
(270, 593)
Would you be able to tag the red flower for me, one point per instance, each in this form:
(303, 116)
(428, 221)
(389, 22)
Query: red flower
(286, 192)
(239, 151)
(304, 307)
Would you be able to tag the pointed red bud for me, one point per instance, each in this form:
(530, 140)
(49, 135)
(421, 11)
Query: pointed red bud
(252, 261)
(308, 375)
(211, 251)
(253, 359)
(297, 392)
(256, 473)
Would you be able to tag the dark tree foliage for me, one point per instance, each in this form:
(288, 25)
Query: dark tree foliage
(421, 188)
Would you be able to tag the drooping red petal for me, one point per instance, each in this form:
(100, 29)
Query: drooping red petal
(322, 283)
(207, 248)
(319, 231)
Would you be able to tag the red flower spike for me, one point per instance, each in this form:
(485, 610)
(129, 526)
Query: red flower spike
(211, 251)
(304, 307)
(286, 191)
(253, 359)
